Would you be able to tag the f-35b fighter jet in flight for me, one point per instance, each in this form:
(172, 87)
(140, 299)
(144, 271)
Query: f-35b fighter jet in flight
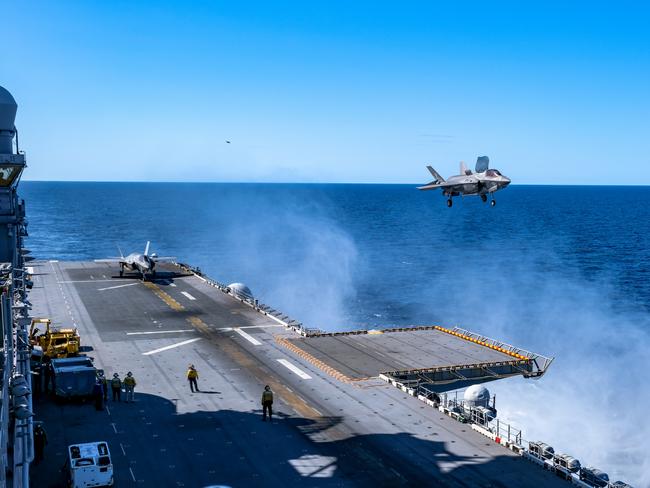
(142, 263)
(482, 182)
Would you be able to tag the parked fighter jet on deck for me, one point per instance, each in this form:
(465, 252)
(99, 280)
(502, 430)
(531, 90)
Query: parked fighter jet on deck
(142, 263)
(482, 182)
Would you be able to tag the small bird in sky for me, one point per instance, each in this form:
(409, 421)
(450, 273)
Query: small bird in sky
(227, 142)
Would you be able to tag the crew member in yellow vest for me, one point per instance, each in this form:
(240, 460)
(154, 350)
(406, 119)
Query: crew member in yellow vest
(129, 386)
(116, 387)
(267, 403)
(192, 376)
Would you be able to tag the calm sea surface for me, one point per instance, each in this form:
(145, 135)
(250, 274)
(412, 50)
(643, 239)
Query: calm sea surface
(558, 270)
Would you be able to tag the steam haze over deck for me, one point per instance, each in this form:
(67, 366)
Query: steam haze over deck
(330, 92)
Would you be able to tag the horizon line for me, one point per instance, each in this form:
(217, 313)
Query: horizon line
(186, 182)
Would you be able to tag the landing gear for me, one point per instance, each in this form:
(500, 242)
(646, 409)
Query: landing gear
(121, 270)
(484, 198)
(449, 202)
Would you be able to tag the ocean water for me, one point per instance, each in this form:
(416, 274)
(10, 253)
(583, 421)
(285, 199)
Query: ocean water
(562, 271)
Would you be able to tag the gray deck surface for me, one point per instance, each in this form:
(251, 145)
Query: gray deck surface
(367, 355)
(325, 433)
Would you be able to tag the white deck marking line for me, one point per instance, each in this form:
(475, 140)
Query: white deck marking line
(248, 337)
(294, 369)
(93, 281)
(160, 332)
(54, 260)
(172, 346)
(114, 428)
(132, 475)
(122, 447)
(228, 329)
(190, 297)
(116, 286)
(259, 326)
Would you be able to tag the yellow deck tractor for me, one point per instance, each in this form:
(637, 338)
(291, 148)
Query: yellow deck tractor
(56, 342)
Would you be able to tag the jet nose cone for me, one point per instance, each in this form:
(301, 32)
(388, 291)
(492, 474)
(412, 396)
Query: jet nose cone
(506, 180)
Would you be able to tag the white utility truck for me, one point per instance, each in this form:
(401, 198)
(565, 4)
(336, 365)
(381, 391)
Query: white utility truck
(90, 465)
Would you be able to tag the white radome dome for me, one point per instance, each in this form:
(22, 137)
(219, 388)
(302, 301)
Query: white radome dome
(240, 290)
(477, 396)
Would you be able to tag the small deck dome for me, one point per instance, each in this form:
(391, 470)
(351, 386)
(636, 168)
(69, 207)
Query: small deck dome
(240, 290)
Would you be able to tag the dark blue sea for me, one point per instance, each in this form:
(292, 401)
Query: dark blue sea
(559, 270)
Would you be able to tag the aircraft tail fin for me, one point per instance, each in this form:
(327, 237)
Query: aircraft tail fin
(482, 164)
(436, 175)
(146, 248)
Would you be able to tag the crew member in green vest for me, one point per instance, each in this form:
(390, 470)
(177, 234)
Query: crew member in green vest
(267, 403)
(129, 387)
(116, 387)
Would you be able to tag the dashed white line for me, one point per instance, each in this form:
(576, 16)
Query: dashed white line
(114, 428)
(294, 369)
(190, 297)
(116, 286)
(172, 346)
(122, 447)
(248, 337)
(132, 475)
(160, 332)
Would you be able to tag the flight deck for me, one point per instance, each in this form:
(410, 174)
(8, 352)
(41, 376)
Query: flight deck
(337, 422)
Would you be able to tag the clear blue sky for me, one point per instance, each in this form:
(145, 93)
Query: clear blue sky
(331, 91)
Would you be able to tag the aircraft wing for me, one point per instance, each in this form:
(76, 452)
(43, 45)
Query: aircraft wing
(434, 184)
(110, 260)
(163, 259)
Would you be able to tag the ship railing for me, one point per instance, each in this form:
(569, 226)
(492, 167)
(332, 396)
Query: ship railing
(6, 355)
(459, 409)
(540, 362)
(462, 373)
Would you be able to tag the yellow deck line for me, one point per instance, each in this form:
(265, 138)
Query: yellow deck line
(173, 304)
(480, 343)
(317, 362)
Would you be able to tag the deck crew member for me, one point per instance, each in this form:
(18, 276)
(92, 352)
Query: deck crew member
(267, 403)
(192, 376)
(129, 386)
(104, 382)
(40, 441)
(98, 395)
(116, 387)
